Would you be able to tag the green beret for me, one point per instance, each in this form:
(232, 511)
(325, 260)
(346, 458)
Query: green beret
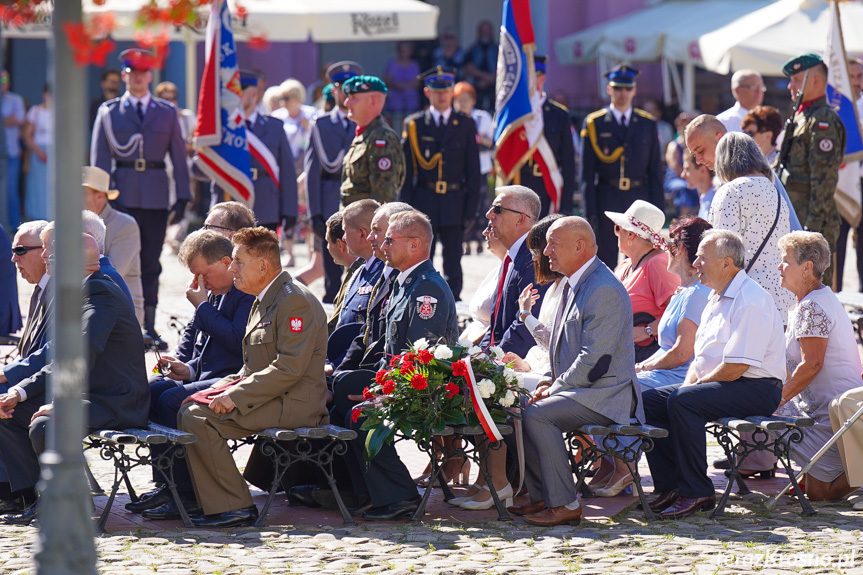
(801, 63)
(362, 84)
(328, 94)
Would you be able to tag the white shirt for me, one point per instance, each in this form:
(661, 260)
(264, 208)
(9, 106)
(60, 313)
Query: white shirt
(369, 262)
(340, 117)
(43, 281)
(512, 252)
(573, 279)
(437, 115)
(264, 292)
(145, 101)
(626, 115)
(253, 117)
(741, 325)
(732, 118)
(485, 129)
(404, 275)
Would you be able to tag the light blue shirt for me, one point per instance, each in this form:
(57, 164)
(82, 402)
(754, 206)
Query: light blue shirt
(13, 105)
(792, 215)
(704, 204)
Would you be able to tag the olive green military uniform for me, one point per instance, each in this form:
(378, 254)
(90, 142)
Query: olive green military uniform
(374, 166)
(812, 170)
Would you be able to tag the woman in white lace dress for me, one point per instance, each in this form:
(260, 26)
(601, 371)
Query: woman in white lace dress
(822, 357)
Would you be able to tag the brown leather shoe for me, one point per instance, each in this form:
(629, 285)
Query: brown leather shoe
(528, 509)
(661, 500)
(551, 516)
(686, 506)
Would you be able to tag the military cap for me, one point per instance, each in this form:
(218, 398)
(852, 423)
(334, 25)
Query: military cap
(137, 59)
(438, 78)
(801, 63)
(249, 78)
(539, 62)
(344, 70)
(328, 94)
(362, 84)
(622, 75)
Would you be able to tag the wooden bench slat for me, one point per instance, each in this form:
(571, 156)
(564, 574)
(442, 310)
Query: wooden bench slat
(653, 432)
(768, 423)
(173, 435)
(147, 436)
(281, 434)
(115, 436)
(340, 432)
(618, 429)
(736, 424)
(594, 430)
(796, 421)
(312, 432)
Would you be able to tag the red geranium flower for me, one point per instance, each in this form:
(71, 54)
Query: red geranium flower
(459, 369)
(407, 367)
(419, 382)
(381, 376)
(425, 356)
(395, 360)
(451, 390)
(355, 414)
(368, 394)
(389, 387)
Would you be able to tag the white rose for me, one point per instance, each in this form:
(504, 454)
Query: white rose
(442, 352)
(508, 399)
(486, 388)
(421, 343)
(474, 349)
(497, 351)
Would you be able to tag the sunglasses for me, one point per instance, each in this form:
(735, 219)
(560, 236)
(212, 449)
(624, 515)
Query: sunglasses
(627, 88)
(498, 209)
(389, 240)
(21, 250)
(215, 227)
(751, 133)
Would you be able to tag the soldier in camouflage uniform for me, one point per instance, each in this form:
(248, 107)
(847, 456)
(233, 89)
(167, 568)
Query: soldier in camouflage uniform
(811, 169)
(374, 166)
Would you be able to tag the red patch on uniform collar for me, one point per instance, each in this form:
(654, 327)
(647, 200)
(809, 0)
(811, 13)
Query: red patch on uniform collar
(296, 324)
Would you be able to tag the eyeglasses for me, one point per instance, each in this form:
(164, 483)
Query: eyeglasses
(215, 227)
(498, 209)
(21, 250)
(752, 133)
(754, 87)
(626, 88)
(389, 240)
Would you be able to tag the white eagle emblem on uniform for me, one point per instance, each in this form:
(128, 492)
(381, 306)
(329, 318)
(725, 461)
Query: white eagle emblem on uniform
(296, 324)
(426, 306)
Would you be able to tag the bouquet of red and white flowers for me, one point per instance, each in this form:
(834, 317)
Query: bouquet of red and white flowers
(431, 386)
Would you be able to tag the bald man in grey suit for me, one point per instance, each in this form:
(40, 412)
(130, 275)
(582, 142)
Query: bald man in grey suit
(592, 378)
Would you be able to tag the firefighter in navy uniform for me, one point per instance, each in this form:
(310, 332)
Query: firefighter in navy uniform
(620, 160)
(557, 130)
(442, 170)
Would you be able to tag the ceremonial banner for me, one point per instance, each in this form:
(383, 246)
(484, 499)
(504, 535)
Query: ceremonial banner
(220, 131)
(842, 98)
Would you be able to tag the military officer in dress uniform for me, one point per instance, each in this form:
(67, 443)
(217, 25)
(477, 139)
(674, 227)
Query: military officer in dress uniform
(374, 166)
(811, 170)
(330, 137)
(443, 174)
(131, 137)
(620, 160)
(557, 130)
(275, 202)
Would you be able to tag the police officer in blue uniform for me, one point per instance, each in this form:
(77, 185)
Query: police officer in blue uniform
(275, 204)
(330, 137)
(620, 160)
(557, 130)
(443, 175)
(131, 137)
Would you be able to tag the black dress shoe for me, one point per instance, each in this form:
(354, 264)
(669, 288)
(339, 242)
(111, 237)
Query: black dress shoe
(302, 495)
(686, 506)
(361, 509)
(327, 499)
(235, 518)
(169, 510)
(150, 500)
(661, 500)
(23, 518)
(393, 511)
(16, 505)
(722, 463)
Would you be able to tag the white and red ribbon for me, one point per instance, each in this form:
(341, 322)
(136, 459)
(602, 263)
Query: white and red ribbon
(479, 407)
(262, 153)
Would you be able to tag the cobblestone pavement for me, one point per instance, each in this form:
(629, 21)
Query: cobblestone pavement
(614, 539)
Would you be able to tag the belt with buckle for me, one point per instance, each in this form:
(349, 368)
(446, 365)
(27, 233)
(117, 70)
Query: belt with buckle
(256, 173)
(441, 187)
(140, 164)
(620, 183)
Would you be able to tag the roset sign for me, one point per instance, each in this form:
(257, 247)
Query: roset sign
(374, 24)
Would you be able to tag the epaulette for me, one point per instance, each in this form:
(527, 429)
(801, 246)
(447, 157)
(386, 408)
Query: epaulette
(111, 101)
(594, 115)
(559, 105)
(643, 114)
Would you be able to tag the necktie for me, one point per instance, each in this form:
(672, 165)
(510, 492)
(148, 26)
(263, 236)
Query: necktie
(381, 284)
(34, 300)
(249, 124)
(32, 319)
(506, 261)
(140, 110)
(558, 321)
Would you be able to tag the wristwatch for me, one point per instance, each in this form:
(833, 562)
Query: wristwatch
(648, 330)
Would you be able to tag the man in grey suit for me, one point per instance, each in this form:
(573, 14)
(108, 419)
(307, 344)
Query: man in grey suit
(592, 378)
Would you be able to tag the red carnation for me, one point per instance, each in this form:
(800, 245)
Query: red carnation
(381, 376)
(419, 382)
(459, 369)
(395, 360)
(451, 390)
(355, 414)
(425, 356)
(410, 356)
(368, 394)
(407, 367)
(389, 387)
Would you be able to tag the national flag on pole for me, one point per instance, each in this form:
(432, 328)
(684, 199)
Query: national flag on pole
(842, 98)
(515, 84)
(220, 131)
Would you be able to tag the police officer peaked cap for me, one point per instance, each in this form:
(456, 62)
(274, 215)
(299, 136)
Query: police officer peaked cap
(344, 70)
(137, 59)
(249, 78)
(327, 93)
(539, 62)
(362, 84)
(801, 63)
(438, 78)
(622, 75)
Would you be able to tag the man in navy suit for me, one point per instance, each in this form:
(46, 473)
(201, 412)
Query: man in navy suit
(514, 211)
(211, 347)
(131, 137)
(275, 201)
(10, 313)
